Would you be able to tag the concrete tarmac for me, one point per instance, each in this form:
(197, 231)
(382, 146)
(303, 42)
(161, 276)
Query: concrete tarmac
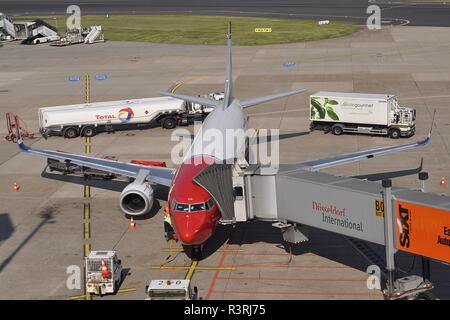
(41, 228)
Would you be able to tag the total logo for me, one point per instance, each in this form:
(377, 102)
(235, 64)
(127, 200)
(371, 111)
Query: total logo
(126, 114)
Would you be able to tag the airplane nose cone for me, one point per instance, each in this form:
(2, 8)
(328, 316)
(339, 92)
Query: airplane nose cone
(192, 229)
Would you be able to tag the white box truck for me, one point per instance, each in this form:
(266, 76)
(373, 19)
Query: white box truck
(87, 120)
(377, 114)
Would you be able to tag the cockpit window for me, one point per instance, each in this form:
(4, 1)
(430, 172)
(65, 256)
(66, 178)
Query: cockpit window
(209, 204)
(195, 207)
(182, 207)
(198, 207)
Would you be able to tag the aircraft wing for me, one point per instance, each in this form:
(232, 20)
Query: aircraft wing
(361, 155)
(356, 156)
(157, 175)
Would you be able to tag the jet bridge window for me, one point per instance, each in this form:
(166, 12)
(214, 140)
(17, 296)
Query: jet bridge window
(238, 193)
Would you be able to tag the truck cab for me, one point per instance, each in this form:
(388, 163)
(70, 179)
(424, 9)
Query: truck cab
(103, 272)
(170, 290)
(403, 119)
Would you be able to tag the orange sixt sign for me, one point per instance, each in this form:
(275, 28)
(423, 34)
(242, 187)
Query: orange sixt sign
(423, 230)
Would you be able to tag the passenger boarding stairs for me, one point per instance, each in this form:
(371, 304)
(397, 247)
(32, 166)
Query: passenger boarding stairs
(7, 30)
(94, 35)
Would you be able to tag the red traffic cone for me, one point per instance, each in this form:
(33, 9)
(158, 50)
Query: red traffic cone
(15, 187)
(105, 272)
(132, 224)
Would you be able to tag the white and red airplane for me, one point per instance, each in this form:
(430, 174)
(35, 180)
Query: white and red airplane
(193, 211)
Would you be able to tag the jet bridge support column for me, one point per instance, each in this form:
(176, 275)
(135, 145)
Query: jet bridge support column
(389, 234)
(426, 272)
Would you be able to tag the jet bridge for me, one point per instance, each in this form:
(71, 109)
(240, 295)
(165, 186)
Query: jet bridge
(352, 207)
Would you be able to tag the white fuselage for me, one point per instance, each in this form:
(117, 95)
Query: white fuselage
(214, 139)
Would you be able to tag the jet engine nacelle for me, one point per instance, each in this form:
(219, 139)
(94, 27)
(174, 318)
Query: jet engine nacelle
(136, 199)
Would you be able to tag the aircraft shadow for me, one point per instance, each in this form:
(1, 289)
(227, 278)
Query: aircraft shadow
(160, 192)
(325, 244)
(330, 246)
(6, 227)
(47, 217)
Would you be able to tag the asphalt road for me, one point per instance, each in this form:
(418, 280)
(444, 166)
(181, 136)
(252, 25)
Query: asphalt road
(395, 12)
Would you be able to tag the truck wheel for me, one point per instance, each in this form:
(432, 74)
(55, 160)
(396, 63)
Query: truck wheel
(89, 132)
(169, 123)
(394, 134)
(337, 130)
(70, 133)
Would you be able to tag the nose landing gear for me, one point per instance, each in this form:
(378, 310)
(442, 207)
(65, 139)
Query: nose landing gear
(195, 252)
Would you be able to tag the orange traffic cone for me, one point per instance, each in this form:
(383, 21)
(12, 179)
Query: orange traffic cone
(15, 187)
(105, 272)
(132, 224)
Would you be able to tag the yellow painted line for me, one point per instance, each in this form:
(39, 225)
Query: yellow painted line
(86, 230)
(126, 290)
(87, 191)
(188, 267)
(87, 249)
(179, 84)
(177, 87)
(83, 296)
(86, 211)
(88, 88)
(190, 273)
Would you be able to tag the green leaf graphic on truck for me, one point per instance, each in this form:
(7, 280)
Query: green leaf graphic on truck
(319, 111)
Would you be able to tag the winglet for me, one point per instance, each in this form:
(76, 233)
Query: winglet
(20, 143)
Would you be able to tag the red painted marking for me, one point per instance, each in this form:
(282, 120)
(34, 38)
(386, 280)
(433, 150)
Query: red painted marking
(216, 274)
(356, 294)
(292, 279)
